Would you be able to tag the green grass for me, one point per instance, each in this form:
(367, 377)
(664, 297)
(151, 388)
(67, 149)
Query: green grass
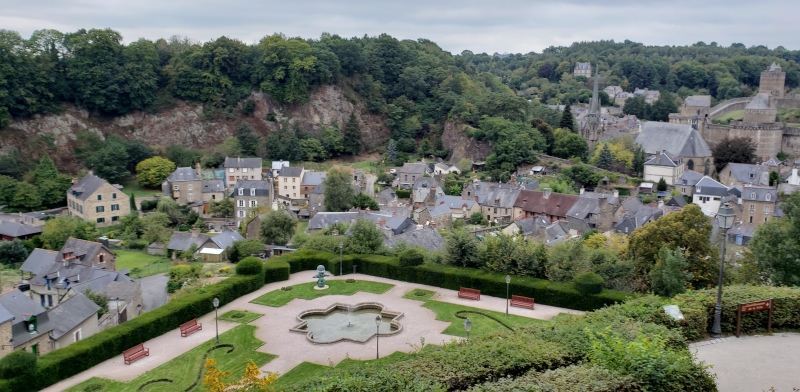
(240, 316)
(481, 324)
(734, 115)
(130, 186)
(419, 294)
(147, 264)
(183, 371)
(307, 370)
(279, 298)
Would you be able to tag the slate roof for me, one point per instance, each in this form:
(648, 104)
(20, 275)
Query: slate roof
(385, 196)
(14, 229)
(502, 198)
(22, 308)
(242, 162)
(183, 241)
(759, 193)
(583, 66)
(677, 201)
(698, 100)
(690, 178)
(262, 188)
(557, 204)
(709, 186)
(425, 182)
(399, 211)
(213, 186)
(278, 165)
(87, 186)
(455, 202)
(530, 226)
(5, 315)
(631, 205)
(774, 67)
(318, 190)
(439, 210)
(679, 139)
(38, 260)
(761, 101)
(557, 232)
(124, 290)
(313, 178)
(413, 168)
(428, 238)
(226, 239)
(665, 158)
(87, 250)
(71, 313)
(744, 231)
(747, 173)
(184, 174)
(326, 219)
(291, 171)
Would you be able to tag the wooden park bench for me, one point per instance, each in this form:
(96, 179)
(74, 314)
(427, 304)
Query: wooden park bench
(189, 327)
(469, 293)
(134, 353)
(522, 302)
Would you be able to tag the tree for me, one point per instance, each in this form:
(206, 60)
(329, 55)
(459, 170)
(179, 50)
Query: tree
(365, 238)
(461, 249)
(662, 185)
(46, 179)
(567, 259)
(663, 107)
(352, 136)
(223, 208)
(248, 141)
(244, 248)
(338, 191)
(363, 201)
(735, 150)
(57, 231)
(19, 364)
(8, 188)
(639, 157)
(277, 228)
(637, 106)
(391, 150)
(26, 196)
(110, 162)
(12, 252)
(465, 165)
(776, 246)
(167, 205)
(567, 120)
(411, 257)
(595, 241)
(425, 147)
(137, 152)
(99, 299)
(313, 150)
(151, 172)
(568, 145)
(605, 159)
(284, 68)
(385, 178)
(669, 275)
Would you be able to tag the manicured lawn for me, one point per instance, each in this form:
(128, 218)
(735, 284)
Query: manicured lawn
(240, 316)
(419, 294)
(147, 264)
(734, 115)
(236, 348)
(130, 186)
(279, 298)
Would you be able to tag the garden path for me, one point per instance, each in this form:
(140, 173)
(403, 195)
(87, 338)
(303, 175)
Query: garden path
(293, 348)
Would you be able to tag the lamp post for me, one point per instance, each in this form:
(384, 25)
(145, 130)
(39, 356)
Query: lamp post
(216, 322)
(467, 326)
(725, 218)
(341, 245)
(508, 282)
(377, 335)
(138, 309)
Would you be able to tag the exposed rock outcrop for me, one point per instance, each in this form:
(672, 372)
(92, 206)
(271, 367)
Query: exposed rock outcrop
(455, 139)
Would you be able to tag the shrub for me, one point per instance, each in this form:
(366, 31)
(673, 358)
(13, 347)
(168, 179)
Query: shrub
(276, 271)
(588, 283)
(403, 193)
(249, 266)
(350, 280)
(182, 272)
(149, 205)
(411, 258)
(17, 364)
(136, 245)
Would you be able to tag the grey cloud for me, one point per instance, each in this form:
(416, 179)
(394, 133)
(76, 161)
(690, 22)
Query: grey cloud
(515, 26)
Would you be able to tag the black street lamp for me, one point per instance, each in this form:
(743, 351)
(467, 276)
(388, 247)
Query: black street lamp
(216, 322)
(467, 326)
(508, 282)
(725, 218)
(377, 335)
(341, 245)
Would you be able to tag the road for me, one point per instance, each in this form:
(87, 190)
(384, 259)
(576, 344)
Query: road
(154, 291)
(370, 180)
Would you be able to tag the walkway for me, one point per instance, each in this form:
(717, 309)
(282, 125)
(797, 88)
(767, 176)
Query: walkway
(753, 363)
(154, 291)
(293, 348)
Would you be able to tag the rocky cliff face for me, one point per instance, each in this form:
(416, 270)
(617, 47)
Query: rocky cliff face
(455, 139)
(184, 125)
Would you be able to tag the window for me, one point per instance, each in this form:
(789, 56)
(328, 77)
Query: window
(189, 187)
(752, 195)
(113, 195)
(115, 207)
(114, 218)
(285, 179)
(101, 220)
(766, 209)
(230, 170)
(752, 175)
(241, 203)
(293, 179)
(752, 208)
(176, 188)
(683, 190)
(241, 191)
(99, 209)
(240, 213)
(294, 194)
(76, 336)
(252, 191)
(294, 187)
(244, 170)
(230, 178)
(99, 197)
(50, 300)
(768, 197)
(495, 210)
(30, 324)
(41, 299)
(191, 197)
(285, 187)
(253, 203)
(698, 190)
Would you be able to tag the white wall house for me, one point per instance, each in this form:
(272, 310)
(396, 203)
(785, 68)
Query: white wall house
(663, 165)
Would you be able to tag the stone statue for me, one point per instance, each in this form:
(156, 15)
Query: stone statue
(320, 276)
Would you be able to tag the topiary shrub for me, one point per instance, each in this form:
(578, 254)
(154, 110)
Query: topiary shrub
(276, 271)
(411, 258)
(588, 283)
(249, 266)
(17, 364)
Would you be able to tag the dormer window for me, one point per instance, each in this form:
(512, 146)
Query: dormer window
(699, 189)
(30, 324)
(753, 195)
(252, 191)
(241, 191)
(768, 197)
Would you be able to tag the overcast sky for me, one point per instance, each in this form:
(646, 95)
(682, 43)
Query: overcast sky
(515, 26)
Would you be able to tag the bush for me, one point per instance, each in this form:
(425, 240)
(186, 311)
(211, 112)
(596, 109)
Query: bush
(136, 245)
(403, 193)
(17, 364)
(250, 266)
(276, 271)
(149, 205)
(411, 258)
(180, 273)
(588, 283)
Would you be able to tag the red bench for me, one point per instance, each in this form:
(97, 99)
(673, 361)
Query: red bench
(522, 302)
(134, 353)
(469, 293)
(189, 327)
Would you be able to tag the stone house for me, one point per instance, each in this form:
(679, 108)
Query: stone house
(242, 169)
(276, 167)
(744, 174)
(687, 181)
(185, 185)
(443, 169)
(73, 320)
(696, 105)
(10, 231)
(459, 208)
(409, 173)
(29, 323)
(756, 206)
(553, 206)
(425, 191)
(529, 228)
(289, 182)
(643, 215)
(499, 205)
(593, 211)
(386, 197)
(650, 96)
(213, 191)
(480, 190)
(310, 181)
(181, 241)
(710, 194)
(427, 238)
(316, 200)
(248, 196)
(438, 216)
(38, 218)
(93, 199)
(215, 249)
(583, 69)
(680, 140)
(612, 91)
(663, 165)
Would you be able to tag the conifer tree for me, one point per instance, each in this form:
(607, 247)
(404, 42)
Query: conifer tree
(567, 121)
(605, 159)
(352, 136)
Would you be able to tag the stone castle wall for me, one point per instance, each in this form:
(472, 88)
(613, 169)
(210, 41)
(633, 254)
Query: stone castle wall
(791, 142)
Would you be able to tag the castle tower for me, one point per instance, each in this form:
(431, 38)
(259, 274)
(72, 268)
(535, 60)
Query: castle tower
(592, 131)
(773, 81)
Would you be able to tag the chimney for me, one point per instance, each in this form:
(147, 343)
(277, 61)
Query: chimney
(433, 225)
(382, 222)
(195, 232)
(366, 211)
(394, 213)
(661, 204)
(496, 201)
(91, 172)
(546, 193)
(197, 168)
(583, 190)
(605, 218)
(74, 180)
(616, 193)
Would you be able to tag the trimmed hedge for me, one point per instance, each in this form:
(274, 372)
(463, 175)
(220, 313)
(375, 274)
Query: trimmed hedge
(588, 283)
(77, 357)
(276, 271)
(490, 283)
(250, 266)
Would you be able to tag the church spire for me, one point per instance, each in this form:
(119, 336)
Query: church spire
(595, 108)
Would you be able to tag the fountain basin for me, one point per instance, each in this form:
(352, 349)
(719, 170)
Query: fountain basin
(343, 322)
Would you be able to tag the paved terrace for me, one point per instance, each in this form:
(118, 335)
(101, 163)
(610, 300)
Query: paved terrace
(293, 348)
